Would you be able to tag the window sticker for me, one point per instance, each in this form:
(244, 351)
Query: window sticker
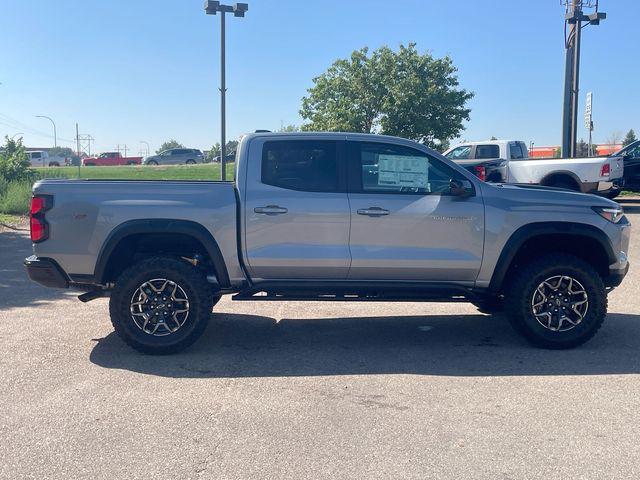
(402, 171)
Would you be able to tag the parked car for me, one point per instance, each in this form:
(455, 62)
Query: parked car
(630, 156)
(41, 158)
(330, 216)
(599, 175)
(176, 156)
(109, 159)
(230, 157)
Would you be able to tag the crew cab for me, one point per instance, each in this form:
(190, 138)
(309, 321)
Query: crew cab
(332, 217)
(108, 159)
(508, 161)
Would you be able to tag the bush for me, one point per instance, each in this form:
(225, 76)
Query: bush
(16, 198)
(14, 162)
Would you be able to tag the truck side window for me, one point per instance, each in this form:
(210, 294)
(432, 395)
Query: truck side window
(387, 168)
(515, 151)
(305, 165)
(460, 153)
(487, 151)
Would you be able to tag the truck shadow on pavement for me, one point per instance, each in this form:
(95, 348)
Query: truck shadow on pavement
(16, 290)
(237, 346)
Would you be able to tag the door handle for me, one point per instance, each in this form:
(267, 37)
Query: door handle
(271, 210)
(373, 211)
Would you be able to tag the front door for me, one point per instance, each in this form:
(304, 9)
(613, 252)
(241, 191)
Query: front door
(405, 224)
(296, 210)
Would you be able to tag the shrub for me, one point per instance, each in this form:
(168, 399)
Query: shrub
(14, 162)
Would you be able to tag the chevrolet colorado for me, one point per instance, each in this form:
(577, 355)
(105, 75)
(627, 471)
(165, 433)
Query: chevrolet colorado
(329, 216)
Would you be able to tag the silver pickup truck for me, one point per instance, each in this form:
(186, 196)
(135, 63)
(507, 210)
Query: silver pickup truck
(329, 216)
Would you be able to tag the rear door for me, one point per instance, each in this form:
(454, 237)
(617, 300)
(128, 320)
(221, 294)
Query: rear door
(405, 224)
(632, 166)
(296, 210)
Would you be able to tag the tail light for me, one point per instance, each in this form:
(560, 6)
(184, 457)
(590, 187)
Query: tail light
(39, 226)
(481, 172)
(605, 171)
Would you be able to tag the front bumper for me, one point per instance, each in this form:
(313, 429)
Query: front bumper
(46, 272)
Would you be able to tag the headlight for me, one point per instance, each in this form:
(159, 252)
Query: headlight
(613, 214)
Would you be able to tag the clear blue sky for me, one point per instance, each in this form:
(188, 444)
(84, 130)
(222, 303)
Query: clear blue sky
(149, 70)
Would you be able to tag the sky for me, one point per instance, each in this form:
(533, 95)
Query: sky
(131, 71)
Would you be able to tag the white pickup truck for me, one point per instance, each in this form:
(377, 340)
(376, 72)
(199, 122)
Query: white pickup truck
(508, 161)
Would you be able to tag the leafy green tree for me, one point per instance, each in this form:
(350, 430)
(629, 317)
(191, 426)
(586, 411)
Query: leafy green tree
(14, 162)
(232, 146)
(289, 128)
(401, 93)
(629, 138)
(169, 145)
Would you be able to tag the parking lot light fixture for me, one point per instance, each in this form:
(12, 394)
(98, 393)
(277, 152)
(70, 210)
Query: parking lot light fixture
(212, 7)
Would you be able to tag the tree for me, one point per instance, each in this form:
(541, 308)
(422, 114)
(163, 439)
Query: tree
(169, 145)
(629, 138)
(289, 128)
(582, 148)
(401, 93)
(615, 138)
(232, 146)
(14, 162)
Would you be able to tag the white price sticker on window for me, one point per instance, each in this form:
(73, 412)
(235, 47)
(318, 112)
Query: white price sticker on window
(402, 171)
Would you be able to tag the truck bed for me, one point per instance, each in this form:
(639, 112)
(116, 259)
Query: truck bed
(87, 212)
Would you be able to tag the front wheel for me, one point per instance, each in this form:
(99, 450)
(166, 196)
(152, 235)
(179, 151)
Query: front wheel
(161, 305)
(557, 301)
(190, 162)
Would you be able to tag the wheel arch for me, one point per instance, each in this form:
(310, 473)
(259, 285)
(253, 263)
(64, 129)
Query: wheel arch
(547, 180)
(151, 227)
(582, 240)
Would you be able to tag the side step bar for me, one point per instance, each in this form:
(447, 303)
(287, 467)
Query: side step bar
(362, 293)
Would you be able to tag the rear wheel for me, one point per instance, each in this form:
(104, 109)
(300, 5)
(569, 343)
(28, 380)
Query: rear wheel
(557, 301)
(161, 305)
(566, 185)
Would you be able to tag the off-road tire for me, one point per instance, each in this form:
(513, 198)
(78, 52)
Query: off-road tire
(522, 285)
(190, 279)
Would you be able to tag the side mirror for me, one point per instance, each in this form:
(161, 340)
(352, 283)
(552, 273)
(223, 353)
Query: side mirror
(461, 188)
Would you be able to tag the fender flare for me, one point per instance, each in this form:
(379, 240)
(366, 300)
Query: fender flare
(527, 232)
(159, 226)
(567, 173)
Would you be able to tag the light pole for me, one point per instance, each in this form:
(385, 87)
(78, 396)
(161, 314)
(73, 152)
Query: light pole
(148, 147)
(55, 135)
(15, 135)
(575, 21)
(238, 10)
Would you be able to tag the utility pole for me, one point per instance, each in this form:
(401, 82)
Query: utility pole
(238, 10)
(574, 18)
(125, 151)
(78, 149)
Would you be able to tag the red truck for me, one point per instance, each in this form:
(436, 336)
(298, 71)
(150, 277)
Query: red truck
(110, 159)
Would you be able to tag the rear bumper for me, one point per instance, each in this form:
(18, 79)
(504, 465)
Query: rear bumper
(46, 272)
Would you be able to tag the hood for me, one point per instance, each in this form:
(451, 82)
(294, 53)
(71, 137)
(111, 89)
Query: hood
(549, 195)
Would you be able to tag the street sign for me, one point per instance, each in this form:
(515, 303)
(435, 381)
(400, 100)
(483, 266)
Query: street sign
(588, 124)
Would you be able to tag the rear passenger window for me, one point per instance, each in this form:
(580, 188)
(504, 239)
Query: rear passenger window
(487, 151)
(516, 151)
(301, 165)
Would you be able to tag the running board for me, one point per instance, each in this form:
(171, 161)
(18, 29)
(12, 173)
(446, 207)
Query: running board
(368, 293)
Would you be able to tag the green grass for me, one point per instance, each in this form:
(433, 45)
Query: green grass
(15, 198)
(207, 171)
(12, 220)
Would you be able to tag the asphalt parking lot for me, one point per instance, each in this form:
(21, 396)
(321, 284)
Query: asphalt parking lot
(313, 390)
